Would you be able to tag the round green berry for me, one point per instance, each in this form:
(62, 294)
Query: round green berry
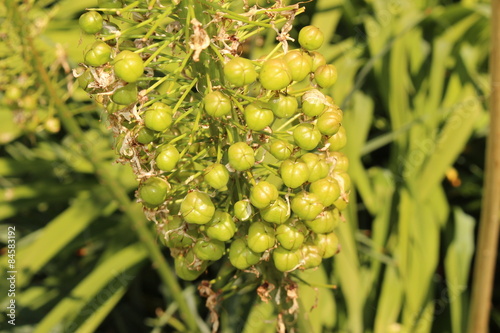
(98, 54)
(216, 175)
(167, 158)
(310, 38)
(217, 104)
(240, 72)
(275, 74)
(153, 191)
(90, 22)
(197, 208)
(241, 156)
(128, 66)
(326, 75)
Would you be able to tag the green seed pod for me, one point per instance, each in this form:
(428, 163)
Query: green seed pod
(242, 210)
(326, 75)
(313, 103)
(328, 244)
(338, 140)
(240, 72)
(280, 149)
(275, 74)
(283, 106)
(260, 237)
(294, 173)
(300, 64)
(98, 54)
(325, 222)
(217, 176)
(188, 267)
(221, 226)
(125, 95)
(167, 158)
(317, 165)
(326, 189)
(217, 104)
(311, 256)
(153, 191)
(307, 206)
(197, 208)
(291, 234)
(277, 212)
(241, 256)
(209, 249)
(241, 156)
(262, 194)
(286, 260)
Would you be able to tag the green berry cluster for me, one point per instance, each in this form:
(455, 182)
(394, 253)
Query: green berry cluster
(237, 158)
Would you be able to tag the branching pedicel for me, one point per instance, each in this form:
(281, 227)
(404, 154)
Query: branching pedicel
(238, 159)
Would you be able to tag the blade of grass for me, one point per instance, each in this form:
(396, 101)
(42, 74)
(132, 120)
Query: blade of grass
(457, 265)
(97, 285)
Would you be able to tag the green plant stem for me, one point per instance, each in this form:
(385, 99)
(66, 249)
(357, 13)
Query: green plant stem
(114, 187)
(487, 243)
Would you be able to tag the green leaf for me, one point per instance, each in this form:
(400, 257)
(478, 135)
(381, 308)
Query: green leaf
(457, 265)
(102, 283)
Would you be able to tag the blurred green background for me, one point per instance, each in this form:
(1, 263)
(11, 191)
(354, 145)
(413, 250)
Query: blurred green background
(414, 87)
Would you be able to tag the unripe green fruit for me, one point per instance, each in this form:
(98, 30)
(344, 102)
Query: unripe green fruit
(329, 123)
(340, 161)
(317, 165)
(300, 64)
(327, 190)
(280, 149)
(306, 136)
(294, 173)
(217, 176)
(317, 60)
(285, 260)
(283, 106)
(153, 191)
(90, 22)
(328, 244)
(311, 255)
(185, 268)
(338, 140)
(343, 179)
(242, 210)
(277, 212)
(128, 66)
(307, 206)
(325, 222)
(240, 72)
(257, 117)
(291, 235)
(157, 120)
(209, 249)
(275, 74)
(310, 38)
(177, 235)
(241, 156)
(98, 54)
(313, 103)
(221, 226)
(145, 136)
(340, 203)
(262, 194)
(217, 104)
(260, 237)
(167, 158)
(241, 256)
(197, 208)
(326, 75)
(125, 95)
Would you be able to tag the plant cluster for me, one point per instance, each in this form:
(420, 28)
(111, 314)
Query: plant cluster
(235, 156)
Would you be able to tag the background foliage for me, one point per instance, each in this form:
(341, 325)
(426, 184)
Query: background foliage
(413, 85)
